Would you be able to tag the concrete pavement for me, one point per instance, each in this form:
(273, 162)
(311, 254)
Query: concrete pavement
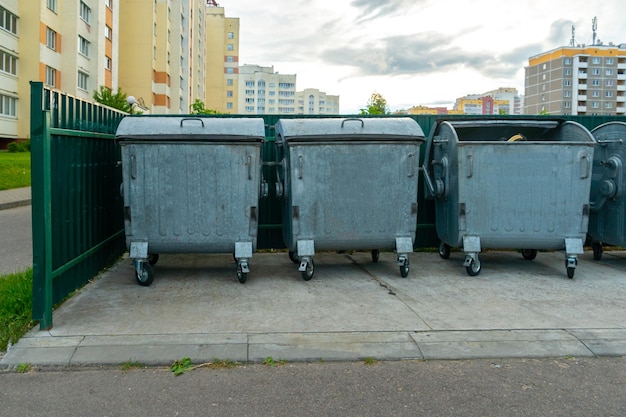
(351, 309)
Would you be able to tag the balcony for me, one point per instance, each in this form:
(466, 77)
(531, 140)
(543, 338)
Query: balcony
(582, 109)
(620, 110)
(621, 65)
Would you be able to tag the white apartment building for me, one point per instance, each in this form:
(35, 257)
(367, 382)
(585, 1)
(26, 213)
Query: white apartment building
(263, 91)
(314, 101)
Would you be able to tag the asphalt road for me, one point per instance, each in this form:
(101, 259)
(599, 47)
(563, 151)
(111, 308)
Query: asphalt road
(16, 249)
(513, 387)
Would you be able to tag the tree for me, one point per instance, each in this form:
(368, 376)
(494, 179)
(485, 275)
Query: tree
(198, 108)
(118, 100)
(376, 105)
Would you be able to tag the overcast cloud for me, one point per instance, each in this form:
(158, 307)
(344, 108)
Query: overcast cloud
(413, 52)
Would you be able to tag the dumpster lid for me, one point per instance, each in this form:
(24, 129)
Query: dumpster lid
(156, 128)
(349, 129)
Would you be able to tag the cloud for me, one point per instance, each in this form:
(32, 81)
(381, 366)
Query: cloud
(372, 9)
(426, 54)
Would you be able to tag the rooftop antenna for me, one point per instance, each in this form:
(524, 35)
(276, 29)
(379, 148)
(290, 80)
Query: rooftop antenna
(572, 42)
(594, 27)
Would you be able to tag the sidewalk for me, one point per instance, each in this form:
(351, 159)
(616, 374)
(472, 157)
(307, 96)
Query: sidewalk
(16, 197)
(351, 309)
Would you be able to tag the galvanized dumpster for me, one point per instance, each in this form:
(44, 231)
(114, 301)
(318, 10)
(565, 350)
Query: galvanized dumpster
(349, 184)
(607, 221)
(510, 183)
(190, 185)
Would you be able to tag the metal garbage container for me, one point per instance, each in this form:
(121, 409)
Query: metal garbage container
(510, 183)
(349, 184)
(190, 185)
(607, 220)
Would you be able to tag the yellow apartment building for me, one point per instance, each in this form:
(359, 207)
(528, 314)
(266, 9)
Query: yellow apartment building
(222, 60)
(69, 45)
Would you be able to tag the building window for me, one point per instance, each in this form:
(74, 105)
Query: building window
(568, 71)
(52, 5)
(82, 80)
(609, 72)
(51, 39)
(249, 108)
(230, 70)
(107, 62)
(567, 93)
(8, 106)
(595, 83)
(596, 71)
(249, 83)
(250, 100)
(595, 93)
(230, 35)
(108, 32)
(229, 93)
(568, 61)
(595, 105)
(595, 60)
(608, 105)
(8, 21)
(230, 47)
(83, 46)
(229, 105)
(8, 63)
(609, 94)
(567, 104)
(230, 58)
(108, 3)
(85, 12)
(229, 82)
(608, 61)
(51, 75)
(609, 83)
(543, 77)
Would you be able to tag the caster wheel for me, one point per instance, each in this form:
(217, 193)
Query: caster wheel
(294, 257)
(242, 277)
(375, 255)
(153, 258)
(474, 268)
(529, 254)
(444, 251)
(146, 276)
(310, 270)
(570, 272)
(404, 271)
(597, 250)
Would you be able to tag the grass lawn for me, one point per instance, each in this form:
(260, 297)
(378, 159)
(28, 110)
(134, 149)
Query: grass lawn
(14, 170)
(16, 301)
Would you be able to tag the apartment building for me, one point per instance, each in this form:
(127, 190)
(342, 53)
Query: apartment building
(263, 91)
(69, 45)
(314, 101)
(577, 80)
(222, 60)
(481, 104)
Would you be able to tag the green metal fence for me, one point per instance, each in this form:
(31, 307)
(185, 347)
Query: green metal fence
(78, 226)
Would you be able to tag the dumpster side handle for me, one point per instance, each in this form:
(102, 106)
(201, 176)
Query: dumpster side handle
(184, 119)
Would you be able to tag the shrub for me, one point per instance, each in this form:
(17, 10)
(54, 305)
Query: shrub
(23, 146)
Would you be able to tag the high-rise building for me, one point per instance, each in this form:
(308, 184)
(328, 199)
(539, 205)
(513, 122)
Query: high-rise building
(263, 91)
(222, 60)
(314, 101)
(69, 45)
(577, 80)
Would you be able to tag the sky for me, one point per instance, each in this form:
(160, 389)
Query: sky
(414, 52)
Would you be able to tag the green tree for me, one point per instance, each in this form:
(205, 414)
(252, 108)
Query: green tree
(116, 100)
(198, 108)
(376, 105)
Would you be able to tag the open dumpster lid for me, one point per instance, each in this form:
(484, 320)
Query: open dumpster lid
(349, 129)
(157, 128)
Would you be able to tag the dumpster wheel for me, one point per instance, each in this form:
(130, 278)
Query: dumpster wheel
(444, 250)
(529, 254)
(153, 258)
(242, 276)
(375, 255)
(146, 276)
(473, 268)
(293, 257)
(307, 274)
(404, 270)
(597, 250)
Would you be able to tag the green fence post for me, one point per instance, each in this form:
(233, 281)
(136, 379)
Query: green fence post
(40, 189)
